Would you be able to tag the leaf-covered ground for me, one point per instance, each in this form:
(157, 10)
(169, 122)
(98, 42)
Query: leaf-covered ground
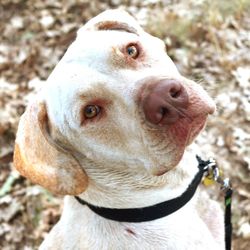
(209, 41)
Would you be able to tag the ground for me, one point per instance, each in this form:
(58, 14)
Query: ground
(209, 41)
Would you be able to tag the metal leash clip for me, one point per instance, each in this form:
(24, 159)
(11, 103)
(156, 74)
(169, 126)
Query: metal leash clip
(214, 174)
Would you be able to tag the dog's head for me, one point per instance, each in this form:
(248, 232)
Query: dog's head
(115, 101)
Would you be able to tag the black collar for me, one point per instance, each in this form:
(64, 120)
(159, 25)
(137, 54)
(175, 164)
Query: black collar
(153, 212)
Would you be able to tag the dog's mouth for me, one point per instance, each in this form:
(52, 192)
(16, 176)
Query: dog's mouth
(195, 128)
(185, 130)
(181, 134)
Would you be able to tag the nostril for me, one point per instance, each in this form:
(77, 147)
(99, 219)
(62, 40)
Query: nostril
(164, 111)
(175, 93)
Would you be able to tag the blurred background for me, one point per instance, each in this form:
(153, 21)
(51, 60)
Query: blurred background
(209, 41)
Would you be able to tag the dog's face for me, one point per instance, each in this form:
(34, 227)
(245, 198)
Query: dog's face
(114, 101)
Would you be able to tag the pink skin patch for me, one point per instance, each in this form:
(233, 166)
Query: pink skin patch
(182, 133)
(130, 231)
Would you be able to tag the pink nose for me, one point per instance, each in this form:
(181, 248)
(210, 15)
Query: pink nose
(165, 102)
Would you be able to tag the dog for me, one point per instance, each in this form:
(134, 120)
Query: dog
(112, 128)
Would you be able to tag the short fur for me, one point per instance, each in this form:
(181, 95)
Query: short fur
(117, 159)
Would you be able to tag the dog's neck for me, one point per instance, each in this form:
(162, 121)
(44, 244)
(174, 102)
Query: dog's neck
(130, 190)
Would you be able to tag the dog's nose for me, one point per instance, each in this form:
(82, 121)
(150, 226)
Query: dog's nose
(165, 102)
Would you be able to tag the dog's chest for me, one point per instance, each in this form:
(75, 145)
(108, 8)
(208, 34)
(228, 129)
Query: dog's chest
(177, 231)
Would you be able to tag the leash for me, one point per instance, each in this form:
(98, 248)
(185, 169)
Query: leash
(207, 169)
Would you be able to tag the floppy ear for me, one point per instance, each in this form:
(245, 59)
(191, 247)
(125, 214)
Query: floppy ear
(42, 160)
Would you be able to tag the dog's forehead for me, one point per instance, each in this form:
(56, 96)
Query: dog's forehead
(87, 61)
(93, 49)
(97, 43)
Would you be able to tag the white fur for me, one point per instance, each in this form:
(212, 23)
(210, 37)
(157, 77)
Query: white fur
(121, 169)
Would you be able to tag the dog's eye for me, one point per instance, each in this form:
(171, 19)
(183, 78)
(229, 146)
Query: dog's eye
(91, 111)
(133, 51)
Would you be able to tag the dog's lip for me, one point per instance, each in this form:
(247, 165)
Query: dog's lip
(163, 169)
(192, 130)
(196, 129)
(160, 172)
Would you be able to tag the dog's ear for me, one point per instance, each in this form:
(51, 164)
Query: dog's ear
(39, 158)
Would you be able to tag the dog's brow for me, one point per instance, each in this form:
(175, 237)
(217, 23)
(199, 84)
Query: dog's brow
(112, 25)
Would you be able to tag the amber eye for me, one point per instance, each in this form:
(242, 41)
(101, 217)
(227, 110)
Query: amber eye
(91, 111)
(133, 51)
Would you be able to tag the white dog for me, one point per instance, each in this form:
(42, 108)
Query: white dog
(111, 127)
